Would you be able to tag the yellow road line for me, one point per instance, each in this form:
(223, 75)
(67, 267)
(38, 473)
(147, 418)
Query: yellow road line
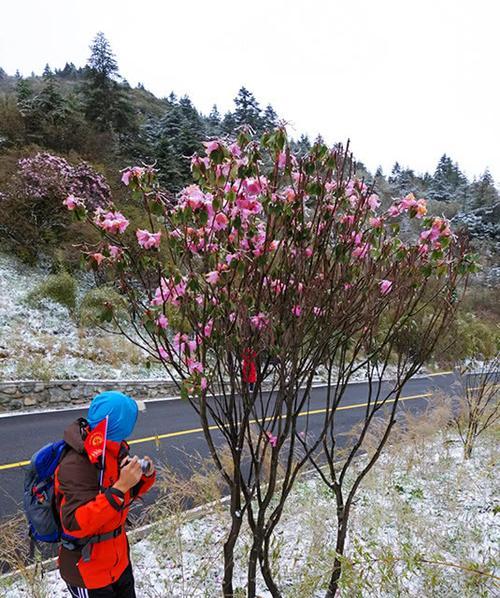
(198, 430)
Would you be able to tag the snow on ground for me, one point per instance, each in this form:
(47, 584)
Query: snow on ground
(421, 501)
(44, 341)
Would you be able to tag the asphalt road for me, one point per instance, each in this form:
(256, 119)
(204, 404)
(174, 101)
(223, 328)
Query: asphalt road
(175, 424)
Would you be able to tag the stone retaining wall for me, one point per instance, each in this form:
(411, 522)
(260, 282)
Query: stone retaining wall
(28, 394)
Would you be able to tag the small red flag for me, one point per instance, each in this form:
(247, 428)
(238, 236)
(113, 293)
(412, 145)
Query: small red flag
(96, 441)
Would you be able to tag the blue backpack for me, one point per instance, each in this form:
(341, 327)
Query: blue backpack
(39, 496)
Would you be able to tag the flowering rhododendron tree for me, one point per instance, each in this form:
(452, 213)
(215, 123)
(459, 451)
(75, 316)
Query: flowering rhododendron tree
(31, 211)
(279, 265)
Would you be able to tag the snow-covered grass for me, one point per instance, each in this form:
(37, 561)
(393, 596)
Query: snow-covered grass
(43, 340)
(425, 524)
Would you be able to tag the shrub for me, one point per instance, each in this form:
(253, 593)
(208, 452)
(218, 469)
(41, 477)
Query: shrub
(60, 288)
(32, 215)
(99, 302)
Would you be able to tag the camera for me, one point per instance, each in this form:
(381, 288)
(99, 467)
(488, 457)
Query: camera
(144, 463)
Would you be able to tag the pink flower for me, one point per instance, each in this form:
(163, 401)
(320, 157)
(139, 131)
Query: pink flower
(194, 366)
(220, 221)
(98, 257)
(207, 330)
(393, 210)
(373, 201)
(348, 219)
(421, 208)
(192, 197)
(132, 173)
(408, 202)
(162, 321)
(111, 222)
(203, 383)
(163, 353)
(423, 250)
(212, 277)
(72, 202)
(375, 222)
(282, 160)
(308, 251)
(385, 286)
(273, 440)
(362, 250)
(297, 311)
(115, 252)
(169, 292)
(211, 146)
(259, 321)
(235, 150)
(318, 312)
(148, 240)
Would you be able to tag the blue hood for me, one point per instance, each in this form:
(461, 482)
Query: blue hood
(122, 411)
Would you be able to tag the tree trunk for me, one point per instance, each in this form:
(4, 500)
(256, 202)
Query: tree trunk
(333, 586)
(265, 568)
(227, 580)
(252, 566)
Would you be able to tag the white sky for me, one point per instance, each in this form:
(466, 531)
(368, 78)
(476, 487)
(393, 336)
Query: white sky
(406, 80)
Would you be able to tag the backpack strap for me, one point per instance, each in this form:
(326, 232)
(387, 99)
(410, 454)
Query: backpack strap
(85, 544)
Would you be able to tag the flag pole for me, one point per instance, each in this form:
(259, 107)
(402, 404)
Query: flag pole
(101, 475)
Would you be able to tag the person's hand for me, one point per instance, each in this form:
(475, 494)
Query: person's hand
(151, 469)
(130, 474)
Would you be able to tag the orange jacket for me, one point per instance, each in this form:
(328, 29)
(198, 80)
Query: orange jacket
(86, 512)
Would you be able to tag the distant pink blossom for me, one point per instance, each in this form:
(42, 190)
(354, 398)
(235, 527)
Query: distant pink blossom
(111, 222)
(132, 173)
(297, 311)
(421, 208)
(97, 257)
(148, 240)
(318, 312)
(163, 353)
(203, 383)
(273, 440)
(72, 202)
(207, 330)
(235, 150)
(211, 146)
(282, 160)
(375, 222)
(259, 321)
(162, 321)
(373, 201)
(213, 277)
(220, 221)
(115, 252)
(385, 286)
(194, 366)
(361, 251)
(394, 210)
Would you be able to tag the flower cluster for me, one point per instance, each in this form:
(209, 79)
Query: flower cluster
(46, 176)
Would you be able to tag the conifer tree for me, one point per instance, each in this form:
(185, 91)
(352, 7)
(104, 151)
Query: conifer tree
(483, 191)
(106, 105)
(247, 110)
